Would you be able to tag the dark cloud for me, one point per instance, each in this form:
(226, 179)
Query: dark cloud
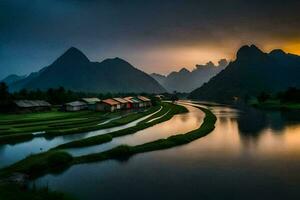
(33, 33)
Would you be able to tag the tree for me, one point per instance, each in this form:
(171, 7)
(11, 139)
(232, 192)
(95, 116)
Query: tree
(174, 97)
(4, 94)
(291, 95)
(5, 98)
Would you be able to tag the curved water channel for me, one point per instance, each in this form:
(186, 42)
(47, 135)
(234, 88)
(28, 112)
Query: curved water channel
(178, 124)
(251, 154)
(13, 153)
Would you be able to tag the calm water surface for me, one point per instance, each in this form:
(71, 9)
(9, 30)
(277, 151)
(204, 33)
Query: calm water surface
(250, 155)
(12, 153)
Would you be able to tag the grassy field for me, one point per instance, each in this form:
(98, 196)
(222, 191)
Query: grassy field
(18, 128)
(57, 160)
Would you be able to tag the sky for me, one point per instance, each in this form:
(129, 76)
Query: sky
(154, 36)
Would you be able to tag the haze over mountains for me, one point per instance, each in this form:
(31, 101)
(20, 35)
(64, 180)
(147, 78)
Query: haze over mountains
(252, 72)
(74, 71)
(186, 81)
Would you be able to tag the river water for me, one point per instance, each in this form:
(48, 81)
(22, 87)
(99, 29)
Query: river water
(251, 154)
(10, 154)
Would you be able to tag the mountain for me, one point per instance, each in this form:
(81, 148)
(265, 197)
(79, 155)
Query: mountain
(74, 71)
(186, 81)
(159, 78)
(12, 78)
(252, 72)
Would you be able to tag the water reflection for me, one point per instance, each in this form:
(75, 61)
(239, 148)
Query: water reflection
(250, 155)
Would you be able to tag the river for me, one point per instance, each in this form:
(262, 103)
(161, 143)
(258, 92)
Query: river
(251, 154)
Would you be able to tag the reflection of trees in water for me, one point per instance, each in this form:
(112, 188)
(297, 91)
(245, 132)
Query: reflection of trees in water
(252, 121)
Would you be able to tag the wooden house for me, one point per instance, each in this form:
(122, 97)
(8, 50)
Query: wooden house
(130, 102)
(123, 102)
(108, 105)
(135, 102)
(91, 102)
(75, 106)
(31, 105)
(146, 101)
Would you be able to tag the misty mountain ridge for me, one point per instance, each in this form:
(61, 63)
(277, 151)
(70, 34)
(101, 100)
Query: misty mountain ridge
(12, 78)
(186, 81)
(74, 71)
(253, 72)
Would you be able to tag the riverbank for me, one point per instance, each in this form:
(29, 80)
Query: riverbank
(60, 123)
(55, 161)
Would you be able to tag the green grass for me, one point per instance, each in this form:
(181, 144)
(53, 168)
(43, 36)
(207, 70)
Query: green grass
(28, 123)
(100, 139)
(34, 165)
(55, 160)
(60, 123)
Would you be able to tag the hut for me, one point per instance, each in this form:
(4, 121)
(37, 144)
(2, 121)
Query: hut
(130, 102)
(124, 103)
(31, 105)
(135, 103)
(75, 106)
(91, 102)
(108, 105)
(146, 101)
(138, 101)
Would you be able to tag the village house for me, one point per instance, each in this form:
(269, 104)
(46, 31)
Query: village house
(31, 105)
(108, 105)
(136, 103)
(124, 103)
(140, 102)
(91, 102)
(145, 100)
(75, 106)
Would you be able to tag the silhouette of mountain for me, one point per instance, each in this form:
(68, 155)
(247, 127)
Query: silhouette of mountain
(12, 78)
(186, 81)
(74, 71)
(252, 72)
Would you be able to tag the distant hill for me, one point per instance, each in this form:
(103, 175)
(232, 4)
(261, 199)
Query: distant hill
(252, 72)
(186, 81)
(74, 71)
(12, 78)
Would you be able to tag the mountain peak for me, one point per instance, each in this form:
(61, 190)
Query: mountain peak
(277, 52)
(184, 70)
(116, 61)
(248, 52)
(72, 55)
